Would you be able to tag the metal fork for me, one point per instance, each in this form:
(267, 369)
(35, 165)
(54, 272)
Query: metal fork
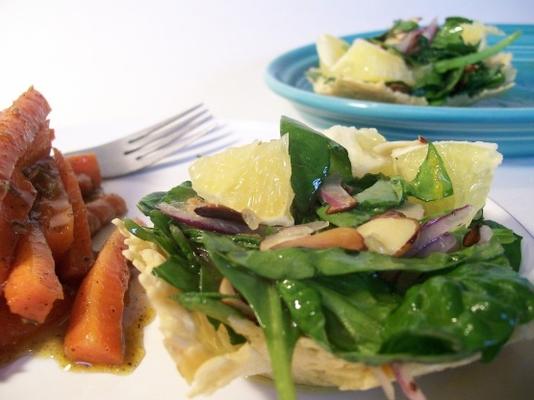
(166, 138)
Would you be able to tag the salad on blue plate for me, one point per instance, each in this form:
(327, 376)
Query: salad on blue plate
(449, 64)
(332, 258)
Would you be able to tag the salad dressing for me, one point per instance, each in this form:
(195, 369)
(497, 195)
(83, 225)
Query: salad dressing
(49, 343)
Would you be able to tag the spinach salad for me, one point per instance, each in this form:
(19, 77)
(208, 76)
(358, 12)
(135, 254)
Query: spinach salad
(431, 303)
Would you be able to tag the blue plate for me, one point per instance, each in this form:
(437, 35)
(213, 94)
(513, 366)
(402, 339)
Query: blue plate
(507, 119)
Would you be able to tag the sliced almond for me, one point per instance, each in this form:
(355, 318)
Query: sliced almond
(390, 234)
(344, 238)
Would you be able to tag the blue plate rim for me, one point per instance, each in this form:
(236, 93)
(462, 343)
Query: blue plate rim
(387, 110)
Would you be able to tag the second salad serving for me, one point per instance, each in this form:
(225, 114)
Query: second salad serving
(448, 64)
(334, 259)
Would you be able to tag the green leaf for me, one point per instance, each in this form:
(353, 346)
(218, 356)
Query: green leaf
(305, 306)
(301, 263)
(313, 157)
(432, 181)
(153, 235)
(351, 218)
(177, 272)
(448, 40)
(150, 201)
(180, 193)
(364, 330)
(383, 194)
(509, 240)
(209, 304)
(478, 78)
(473, 58)
(404, 25)
(473, 308)
(262, 296)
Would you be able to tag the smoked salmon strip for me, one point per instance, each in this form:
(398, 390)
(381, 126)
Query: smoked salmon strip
(103, 209)
(79, 258)
(19, 125)
(32, 286)
(95, 332)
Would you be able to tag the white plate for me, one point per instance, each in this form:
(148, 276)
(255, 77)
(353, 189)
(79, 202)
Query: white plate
(508, 377)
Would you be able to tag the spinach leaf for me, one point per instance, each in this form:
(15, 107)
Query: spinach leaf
(449, 41)
(313, 157)
(509, 240)
(351, 218)
(437, 86)
(364, 330)
(358, 185)
(432, 181)
(180, 193)
(301, 263)
(404, 25)
(479, 77)
(153, 235)
(474, 308)
(177, 272)
(305, 306)
(475, 57)
(262, 296)
(248, 241)
(150, 201)
(383, 194)
(209, 304)
(210, 277)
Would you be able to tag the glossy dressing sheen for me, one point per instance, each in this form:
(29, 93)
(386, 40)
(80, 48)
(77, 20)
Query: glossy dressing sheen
(48, 343)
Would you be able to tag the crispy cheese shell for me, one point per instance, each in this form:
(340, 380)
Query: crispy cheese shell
(370, 91)
(208, 361)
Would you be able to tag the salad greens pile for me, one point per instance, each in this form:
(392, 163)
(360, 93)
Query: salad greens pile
(443, 63)
(429, 64)
(361, 306)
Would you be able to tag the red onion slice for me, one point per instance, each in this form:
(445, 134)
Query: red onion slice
(434, 228)
(407, 383)
(209, 224)
(337, 198)
(442, 244)
(408, 42)
(220, 212)
(430, 31)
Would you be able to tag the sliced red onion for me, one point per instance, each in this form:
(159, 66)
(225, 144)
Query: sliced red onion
(485, 233)
(335, 195)
(209, 224)
(407, 383)
(291, 233)
(430, 31)
(442, 244)
(219, 211)
(436, 227)
(408, 42)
